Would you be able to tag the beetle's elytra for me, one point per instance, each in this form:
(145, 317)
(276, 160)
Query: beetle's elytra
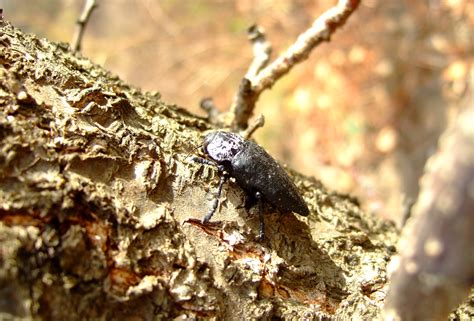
(261, 177)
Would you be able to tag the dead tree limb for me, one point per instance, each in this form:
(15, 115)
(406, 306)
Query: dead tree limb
(95, 189)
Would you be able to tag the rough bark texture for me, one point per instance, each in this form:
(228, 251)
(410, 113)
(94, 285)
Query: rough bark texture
(96, 190)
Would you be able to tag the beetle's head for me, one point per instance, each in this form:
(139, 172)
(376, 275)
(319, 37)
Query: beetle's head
(222, 146)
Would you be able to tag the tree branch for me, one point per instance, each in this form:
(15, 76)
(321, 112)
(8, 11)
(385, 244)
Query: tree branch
(254, 83)
(436, 269)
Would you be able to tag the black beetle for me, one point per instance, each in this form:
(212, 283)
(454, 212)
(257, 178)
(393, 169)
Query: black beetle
(261, 177)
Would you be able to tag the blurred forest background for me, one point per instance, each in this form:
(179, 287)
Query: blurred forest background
(363, 114)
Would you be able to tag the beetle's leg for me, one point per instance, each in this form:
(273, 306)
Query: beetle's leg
(261, 231)
(216, 200)
(204, 161)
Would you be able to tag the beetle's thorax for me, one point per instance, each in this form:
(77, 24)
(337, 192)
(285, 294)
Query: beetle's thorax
(223, 146)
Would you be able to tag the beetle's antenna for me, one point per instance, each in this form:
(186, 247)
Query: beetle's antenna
(216, 200)
(204, 161)
(193, 151)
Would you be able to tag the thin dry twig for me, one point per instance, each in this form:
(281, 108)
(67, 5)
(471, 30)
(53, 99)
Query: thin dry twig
(207, 104)
(259, 122)
(321, 30)
(89, 7)
(262, 51)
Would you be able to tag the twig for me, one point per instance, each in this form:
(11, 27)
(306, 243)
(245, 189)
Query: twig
(89, 6)
(259, 122)
(321, 30)
(261, 56)
(242, 106)
(207, 104)
(261, 51)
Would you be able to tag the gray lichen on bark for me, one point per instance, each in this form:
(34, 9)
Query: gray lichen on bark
(95, 195)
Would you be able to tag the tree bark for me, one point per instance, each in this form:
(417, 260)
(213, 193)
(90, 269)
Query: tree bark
(98, 197)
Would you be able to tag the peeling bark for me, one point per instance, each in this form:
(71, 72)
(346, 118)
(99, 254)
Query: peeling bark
(97, 201)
